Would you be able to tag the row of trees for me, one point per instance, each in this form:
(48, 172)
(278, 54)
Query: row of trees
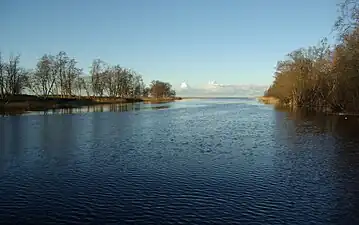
(60, 75)
(323, 77)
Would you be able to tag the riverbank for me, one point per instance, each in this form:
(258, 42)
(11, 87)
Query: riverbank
(23, 103)
(322, 110)
(159, 100)
(268, 100)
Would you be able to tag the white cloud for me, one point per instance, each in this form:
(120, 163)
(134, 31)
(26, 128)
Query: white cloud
(214, 89)
(184, 85)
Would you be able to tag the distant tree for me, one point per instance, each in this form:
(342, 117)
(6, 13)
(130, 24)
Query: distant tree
(87, 86)
(80, 85)
(43, 79)
(72, 74)
(159, 89)
(139, 86)
(61, 63)
(14, 76)
(97, 77)
(60, 75)
(146, 91)
(2, 78)
(55, 74)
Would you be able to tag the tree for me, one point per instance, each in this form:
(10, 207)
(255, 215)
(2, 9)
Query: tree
(44, 78)
(71, 75)
(59, 74)
(97, 78)
(2, 78)
(15, 77)
(61, 62)
(139, 86)
(348, 19)
(87, 86)
(80, 85)
(323, 77)
(159, 89)
(146, 91)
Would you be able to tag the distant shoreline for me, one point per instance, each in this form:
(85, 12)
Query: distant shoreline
(25, 103)
(219, 97)
(17, 104)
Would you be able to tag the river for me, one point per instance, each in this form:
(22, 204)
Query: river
(214, 161)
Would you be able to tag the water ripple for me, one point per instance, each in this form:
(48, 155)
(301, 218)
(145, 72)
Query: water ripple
(204, 162)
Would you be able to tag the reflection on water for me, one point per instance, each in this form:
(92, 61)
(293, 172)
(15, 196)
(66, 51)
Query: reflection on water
(339, 126)
(157, 107)
(186, 103)
(105, 108)
(324, 152)
(194, 162)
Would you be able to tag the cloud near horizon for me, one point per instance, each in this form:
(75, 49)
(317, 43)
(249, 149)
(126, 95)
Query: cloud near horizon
(213, 89)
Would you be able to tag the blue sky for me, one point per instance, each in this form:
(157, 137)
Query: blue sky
(230, 41)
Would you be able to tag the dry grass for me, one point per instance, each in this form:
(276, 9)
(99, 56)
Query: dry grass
(160, 100)
(23, 103)
(268, 100)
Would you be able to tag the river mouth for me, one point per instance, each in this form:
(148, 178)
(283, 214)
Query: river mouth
(194, 162)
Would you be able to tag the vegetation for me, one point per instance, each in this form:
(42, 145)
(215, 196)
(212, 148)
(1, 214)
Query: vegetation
(57, 82)
(323, 77)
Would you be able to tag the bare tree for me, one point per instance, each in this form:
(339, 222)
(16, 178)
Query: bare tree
(138, 86)
(61, 63)
(348, 18)
(71, 74)
(59, 74)
(2, 78)
(146, 91)
(321, 77)
(80, 85)
(97, 78)
(159, 89)
(44, 78)
(110, 78)
(87, 87)
(15, 76)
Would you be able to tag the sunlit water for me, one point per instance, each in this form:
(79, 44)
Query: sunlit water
(223, 161)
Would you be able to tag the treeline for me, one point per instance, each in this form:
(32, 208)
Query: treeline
(59, 75)
(323, 77)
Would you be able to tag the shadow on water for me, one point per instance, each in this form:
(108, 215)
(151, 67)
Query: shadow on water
(341, 127)
(12, 141)
(322, 150)
(160, 107)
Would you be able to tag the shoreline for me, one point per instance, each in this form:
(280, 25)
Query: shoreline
(28, 103)
(275, 102)
(268, 100)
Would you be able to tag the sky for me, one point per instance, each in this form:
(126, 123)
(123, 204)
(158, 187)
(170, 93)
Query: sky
(194, 41)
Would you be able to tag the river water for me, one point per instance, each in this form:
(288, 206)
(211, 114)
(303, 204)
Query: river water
(219, 161)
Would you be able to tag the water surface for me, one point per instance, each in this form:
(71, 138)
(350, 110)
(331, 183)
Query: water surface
(219, 161)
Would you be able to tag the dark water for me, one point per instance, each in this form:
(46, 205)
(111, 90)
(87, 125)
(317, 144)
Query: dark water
(191, 162)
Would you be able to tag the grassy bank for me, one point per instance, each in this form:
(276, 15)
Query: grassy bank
(23, 103)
